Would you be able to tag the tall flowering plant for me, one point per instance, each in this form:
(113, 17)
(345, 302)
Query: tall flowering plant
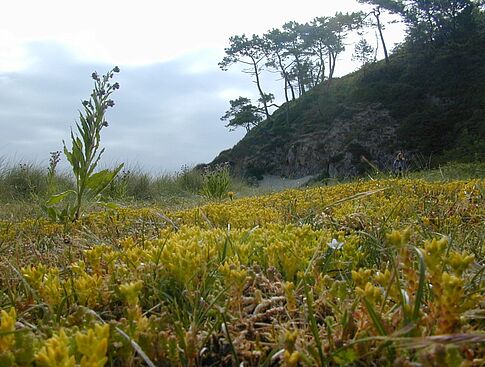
(86, 152)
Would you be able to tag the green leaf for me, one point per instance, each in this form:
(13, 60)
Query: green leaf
(55, 199)
(98, 181)
(67, 153)
(313, 324)
(421, 284)
(51, 213)
(93, 165)
(346, 356)
(376, 319)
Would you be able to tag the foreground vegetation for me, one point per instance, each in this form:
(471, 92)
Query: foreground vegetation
(383, 272)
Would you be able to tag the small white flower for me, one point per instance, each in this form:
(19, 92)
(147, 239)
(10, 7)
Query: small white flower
(334, 244)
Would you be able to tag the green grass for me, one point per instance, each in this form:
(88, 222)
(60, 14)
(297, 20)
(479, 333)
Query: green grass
(27, 182)
(452, 171)
(24, 186)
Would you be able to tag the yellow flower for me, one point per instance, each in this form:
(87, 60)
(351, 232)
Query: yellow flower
(55, 352)
(93, 345)
(361, 277)
(459, 262)
(371, 292)
(434, 252)
(7, 327)
(399, 238)
(34, 275)
(89, 289)
(289, 288)
(291, 359)
(51, 288)
(130, 292)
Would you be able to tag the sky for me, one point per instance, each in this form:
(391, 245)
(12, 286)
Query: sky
(172, 94)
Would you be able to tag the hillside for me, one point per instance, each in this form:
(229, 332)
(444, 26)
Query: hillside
(428, 101)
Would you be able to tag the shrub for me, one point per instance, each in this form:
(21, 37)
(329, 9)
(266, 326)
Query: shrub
(190, 180)
(216, 182)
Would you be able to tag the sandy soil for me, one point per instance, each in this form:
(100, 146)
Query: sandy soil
(281, 183)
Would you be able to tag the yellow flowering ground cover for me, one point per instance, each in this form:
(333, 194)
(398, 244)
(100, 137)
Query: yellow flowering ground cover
(375, 273)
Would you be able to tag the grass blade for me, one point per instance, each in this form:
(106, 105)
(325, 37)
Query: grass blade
(313, 324)
(136, 347)
(229, 339)
(133, 343)
(422, 278)
(376, 319)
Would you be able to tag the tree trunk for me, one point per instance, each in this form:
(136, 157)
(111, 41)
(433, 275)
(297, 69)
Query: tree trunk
(301, 87)
(258, 83)
(332, 59)
(285, 76)
(292, 90)
(322, 66)
(377, 14)
(287, 102)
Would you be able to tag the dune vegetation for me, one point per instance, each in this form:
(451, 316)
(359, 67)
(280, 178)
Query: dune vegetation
(376, 272)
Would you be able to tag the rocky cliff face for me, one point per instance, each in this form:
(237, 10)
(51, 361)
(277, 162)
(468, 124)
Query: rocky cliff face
(360, 134)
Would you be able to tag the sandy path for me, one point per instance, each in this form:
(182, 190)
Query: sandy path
(281, 183)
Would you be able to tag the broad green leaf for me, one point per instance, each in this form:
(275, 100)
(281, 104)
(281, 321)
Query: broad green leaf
(98, 181)
(55, 199)
(52, 213)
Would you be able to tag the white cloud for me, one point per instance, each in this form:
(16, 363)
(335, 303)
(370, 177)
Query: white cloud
(172, 92)
(14, 56)
(148, 31)
(233, 93)
(164, 117)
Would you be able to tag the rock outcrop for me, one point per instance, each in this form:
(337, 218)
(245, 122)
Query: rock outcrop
(359, 137)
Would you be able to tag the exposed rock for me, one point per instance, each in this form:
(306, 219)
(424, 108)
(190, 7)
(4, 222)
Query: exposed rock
(359, 131)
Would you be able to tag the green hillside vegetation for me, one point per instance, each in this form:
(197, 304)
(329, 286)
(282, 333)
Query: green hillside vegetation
(435, 90)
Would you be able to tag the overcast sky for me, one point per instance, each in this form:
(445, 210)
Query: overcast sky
(172, 91)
